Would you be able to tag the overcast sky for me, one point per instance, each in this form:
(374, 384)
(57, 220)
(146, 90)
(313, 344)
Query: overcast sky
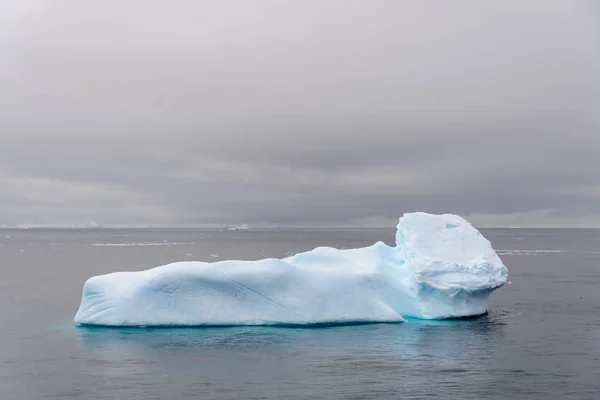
(312, 112)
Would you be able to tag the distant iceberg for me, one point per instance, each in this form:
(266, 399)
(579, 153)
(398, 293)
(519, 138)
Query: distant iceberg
(242, 227)
(441, 267)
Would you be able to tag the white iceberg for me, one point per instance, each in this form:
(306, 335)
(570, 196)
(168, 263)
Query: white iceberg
(441, 267)
(242, 227)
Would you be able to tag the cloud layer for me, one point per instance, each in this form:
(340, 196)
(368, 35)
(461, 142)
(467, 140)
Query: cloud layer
(299, 113)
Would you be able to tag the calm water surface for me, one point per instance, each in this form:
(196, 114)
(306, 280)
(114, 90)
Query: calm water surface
(540, 340)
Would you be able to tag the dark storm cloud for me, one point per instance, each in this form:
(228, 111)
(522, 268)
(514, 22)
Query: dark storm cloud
(328, 112)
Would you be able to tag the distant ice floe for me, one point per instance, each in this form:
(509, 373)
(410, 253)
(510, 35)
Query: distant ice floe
(242, 227)
(142, 244)
(514, 252)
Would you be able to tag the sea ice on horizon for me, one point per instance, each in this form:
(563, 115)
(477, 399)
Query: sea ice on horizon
(441, 267)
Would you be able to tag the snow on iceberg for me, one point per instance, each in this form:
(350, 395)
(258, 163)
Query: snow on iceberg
(441, 267)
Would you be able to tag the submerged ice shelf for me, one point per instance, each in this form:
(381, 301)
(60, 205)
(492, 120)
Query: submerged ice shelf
(441, 267)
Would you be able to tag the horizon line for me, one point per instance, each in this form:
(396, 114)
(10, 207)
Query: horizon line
(263, 226)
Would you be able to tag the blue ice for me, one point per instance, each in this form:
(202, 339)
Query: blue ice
(441, 267)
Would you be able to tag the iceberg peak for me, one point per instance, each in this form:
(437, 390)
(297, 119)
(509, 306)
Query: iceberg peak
(441, 267)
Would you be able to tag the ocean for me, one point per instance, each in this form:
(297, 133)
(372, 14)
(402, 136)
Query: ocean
(541, 338)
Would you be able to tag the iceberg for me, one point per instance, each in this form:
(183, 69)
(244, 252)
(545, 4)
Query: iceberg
(242, 227)
(441, 267)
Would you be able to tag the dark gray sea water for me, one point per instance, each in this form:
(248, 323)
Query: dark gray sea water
(541, 338)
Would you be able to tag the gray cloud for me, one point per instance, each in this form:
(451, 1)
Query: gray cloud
(312, 112)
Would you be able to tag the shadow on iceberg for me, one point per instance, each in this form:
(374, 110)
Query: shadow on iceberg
(441, 267)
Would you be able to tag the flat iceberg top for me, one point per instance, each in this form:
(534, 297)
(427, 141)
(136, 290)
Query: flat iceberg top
(441, 267)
